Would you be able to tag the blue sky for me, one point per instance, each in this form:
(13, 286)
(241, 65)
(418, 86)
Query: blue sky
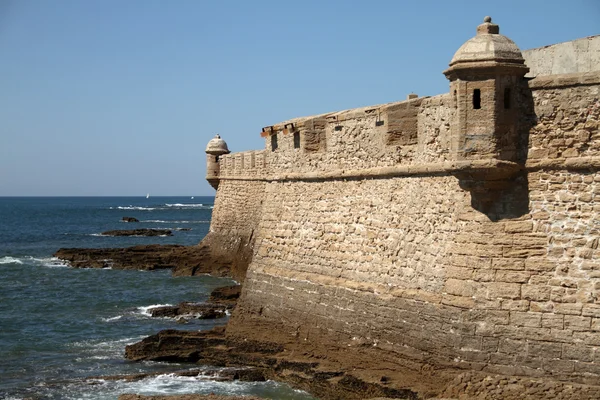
(120, 97)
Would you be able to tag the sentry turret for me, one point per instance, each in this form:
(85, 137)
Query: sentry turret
(485, 76)
(215, 148)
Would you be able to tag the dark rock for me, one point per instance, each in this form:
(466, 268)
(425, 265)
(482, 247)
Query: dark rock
(194, 259)
(212, 314)
(226, 294)
(192, 310)
(269, 361)
(139, 232)
(164, 312)
(130, 219)
(176, 346)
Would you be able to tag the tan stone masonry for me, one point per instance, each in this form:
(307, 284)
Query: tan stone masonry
(427, 234)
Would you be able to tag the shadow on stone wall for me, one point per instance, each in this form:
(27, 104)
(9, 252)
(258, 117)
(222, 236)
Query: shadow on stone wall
(500, 200)
(506, 197)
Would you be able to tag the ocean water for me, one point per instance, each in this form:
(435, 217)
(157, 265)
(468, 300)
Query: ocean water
(62, 328)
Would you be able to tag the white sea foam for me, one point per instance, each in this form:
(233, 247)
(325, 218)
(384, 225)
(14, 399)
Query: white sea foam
(105, 348)
(173, 384)
(146, 310)
(136, 208)
(10, 260)
(165, 207)
(101, 235)
(180, 205)
(53, 262)
(118, 317)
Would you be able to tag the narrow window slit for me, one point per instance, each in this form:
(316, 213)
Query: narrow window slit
(273, 142)
(477, 99)
(506, 98)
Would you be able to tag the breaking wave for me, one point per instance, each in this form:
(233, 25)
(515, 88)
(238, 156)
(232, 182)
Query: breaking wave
(145, 310)
(171, 384)
(179, 205)
(51, 262)
(10, 260)
(166, 206)
(141, 312)
(137, 208)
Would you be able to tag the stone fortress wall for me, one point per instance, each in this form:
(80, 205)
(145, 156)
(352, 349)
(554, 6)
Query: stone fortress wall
(390, 231)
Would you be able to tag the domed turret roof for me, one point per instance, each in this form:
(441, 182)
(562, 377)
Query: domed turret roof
(217, 146)
(488, 45)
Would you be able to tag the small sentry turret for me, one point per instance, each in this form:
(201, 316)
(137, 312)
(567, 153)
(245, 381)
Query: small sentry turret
(485, 75)
(215, 148)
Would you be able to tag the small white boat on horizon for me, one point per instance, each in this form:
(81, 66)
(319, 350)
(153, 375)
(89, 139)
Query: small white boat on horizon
(148, 195)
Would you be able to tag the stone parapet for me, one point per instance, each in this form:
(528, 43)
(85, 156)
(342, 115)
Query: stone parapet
(246, 164)
(576, 56)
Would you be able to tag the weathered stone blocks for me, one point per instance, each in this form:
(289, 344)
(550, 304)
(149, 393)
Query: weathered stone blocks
(363, 238)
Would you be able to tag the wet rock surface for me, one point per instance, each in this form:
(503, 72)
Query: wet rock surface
(139, 232)
(188, 310)
(226, 294)
(270, 361)
(221, 302)
(130, 219)
(186, 397)
(183, 260)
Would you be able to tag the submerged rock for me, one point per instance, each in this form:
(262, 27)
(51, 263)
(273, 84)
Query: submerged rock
(130, 219)
(139, 232)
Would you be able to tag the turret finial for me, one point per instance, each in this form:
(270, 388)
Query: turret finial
(488, 27)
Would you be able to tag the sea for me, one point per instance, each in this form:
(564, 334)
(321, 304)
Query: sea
(62, 329)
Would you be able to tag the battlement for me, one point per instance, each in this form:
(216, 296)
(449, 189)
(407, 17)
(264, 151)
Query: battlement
(247, 164)
(488, 117)
(374, 136)
(413, 137)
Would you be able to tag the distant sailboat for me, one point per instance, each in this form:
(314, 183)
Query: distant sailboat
(192, 197)
(148, 196)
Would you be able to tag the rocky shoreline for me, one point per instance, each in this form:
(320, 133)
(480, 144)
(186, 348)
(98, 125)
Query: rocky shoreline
(323, 369)
(253, 361)
(268, 361)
